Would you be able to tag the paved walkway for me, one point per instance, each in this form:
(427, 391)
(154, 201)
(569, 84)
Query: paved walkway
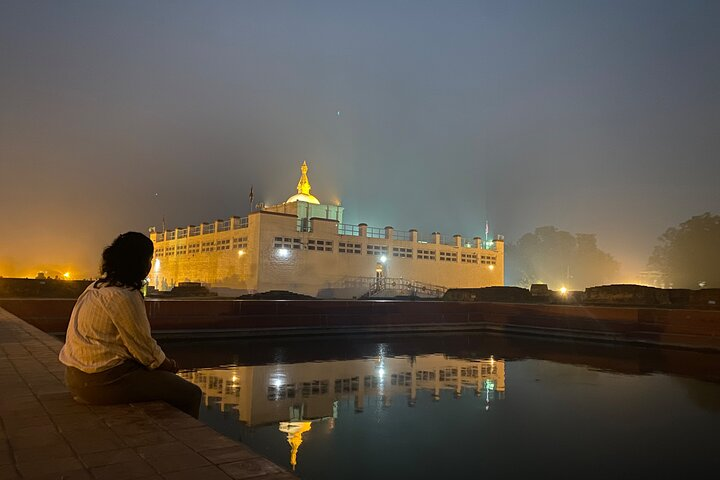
(44, 434)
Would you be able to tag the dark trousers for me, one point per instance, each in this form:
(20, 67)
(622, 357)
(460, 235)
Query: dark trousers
(131, 382)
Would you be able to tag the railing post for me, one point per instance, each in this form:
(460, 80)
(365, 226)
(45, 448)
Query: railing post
(389, 232)
(436, 238)
(413, 235)
(458, 240)
(362, 229)
(478, 242)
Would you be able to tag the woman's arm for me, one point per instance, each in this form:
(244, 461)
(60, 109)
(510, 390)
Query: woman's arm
(169, 365)
(127, 311)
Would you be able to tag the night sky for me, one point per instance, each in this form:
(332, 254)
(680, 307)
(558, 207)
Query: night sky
(593, 116)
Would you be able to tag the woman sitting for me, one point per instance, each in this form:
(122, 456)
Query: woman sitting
(109, 353)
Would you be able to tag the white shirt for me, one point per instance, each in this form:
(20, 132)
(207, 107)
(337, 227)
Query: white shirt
(109, 325)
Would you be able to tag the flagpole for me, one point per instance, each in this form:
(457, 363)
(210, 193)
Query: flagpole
(250, 200)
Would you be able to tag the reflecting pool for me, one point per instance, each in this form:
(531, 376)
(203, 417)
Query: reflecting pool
(462, 406)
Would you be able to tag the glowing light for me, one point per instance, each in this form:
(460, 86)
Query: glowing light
(277, 379)
(563, 290)
(381, 372)
(283, 252)
(383, 259)
(491, 267)
(241, 253)
(66, 275)
(157, 265)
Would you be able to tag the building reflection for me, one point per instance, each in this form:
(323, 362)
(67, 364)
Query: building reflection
(295, 396)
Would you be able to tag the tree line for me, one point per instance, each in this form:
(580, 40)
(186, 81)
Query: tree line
(687, 256)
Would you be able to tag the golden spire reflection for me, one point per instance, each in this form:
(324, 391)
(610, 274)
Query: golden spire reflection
(294, 432)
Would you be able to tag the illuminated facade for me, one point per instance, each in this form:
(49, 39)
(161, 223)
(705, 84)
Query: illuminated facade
(295, 396)
(303, 246)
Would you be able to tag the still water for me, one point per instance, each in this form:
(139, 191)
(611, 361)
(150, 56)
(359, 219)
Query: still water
(462, 406)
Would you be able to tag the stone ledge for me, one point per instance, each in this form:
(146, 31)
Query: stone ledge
(45, 434)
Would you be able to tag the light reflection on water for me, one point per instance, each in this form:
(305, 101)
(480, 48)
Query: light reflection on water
(431, 415)
(296, 396)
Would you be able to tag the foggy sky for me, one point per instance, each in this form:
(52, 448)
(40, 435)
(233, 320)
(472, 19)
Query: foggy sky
(596, 117)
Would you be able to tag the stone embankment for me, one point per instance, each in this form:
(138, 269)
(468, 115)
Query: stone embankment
(686, 328)
(45, 434)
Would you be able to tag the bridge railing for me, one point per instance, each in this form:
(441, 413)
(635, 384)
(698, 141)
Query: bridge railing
(376, 285)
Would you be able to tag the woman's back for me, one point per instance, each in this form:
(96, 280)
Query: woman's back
(108, 325)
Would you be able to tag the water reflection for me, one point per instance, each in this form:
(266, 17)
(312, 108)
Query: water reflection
(360, 407)
(296, 396)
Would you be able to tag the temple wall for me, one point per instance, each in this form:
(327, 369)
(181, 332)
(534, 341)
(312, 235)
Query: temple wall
(223, 266)
(278, 253)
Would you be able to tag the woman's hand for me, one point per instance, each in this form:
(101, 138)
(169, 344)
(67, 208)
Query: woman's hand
(169, 365)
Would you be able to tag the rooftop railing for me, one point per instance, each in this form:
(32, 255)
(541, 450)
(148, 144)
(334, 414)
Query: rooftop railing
(426, 238)
(375, 232)
(305, 225)
(446, 239)
(348, 229)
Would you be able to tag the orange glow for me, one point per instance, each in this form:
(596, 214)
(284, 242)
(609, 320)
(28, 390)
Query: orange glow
(66, 275)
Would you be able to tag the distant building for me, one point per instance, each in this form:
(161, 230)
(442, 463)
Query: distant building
(303, 246)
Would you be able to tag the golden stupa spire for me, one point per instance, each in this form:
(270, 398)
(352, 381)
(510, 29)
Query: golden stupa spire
(303, 188)
(303, 185)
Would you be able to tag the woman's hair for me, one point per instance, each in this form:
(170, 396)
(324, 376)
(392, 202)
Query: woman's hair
(125, 263)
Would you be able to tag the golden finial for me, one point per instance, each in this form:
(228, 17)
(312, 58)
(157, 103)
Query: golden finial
(303, 185)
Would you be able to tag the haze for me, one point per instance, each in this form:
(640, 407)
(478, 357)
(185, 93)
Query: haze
(594, 117)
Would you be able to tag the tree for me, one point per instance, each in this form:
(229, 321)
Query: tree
(558, 258)
(689, 254)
